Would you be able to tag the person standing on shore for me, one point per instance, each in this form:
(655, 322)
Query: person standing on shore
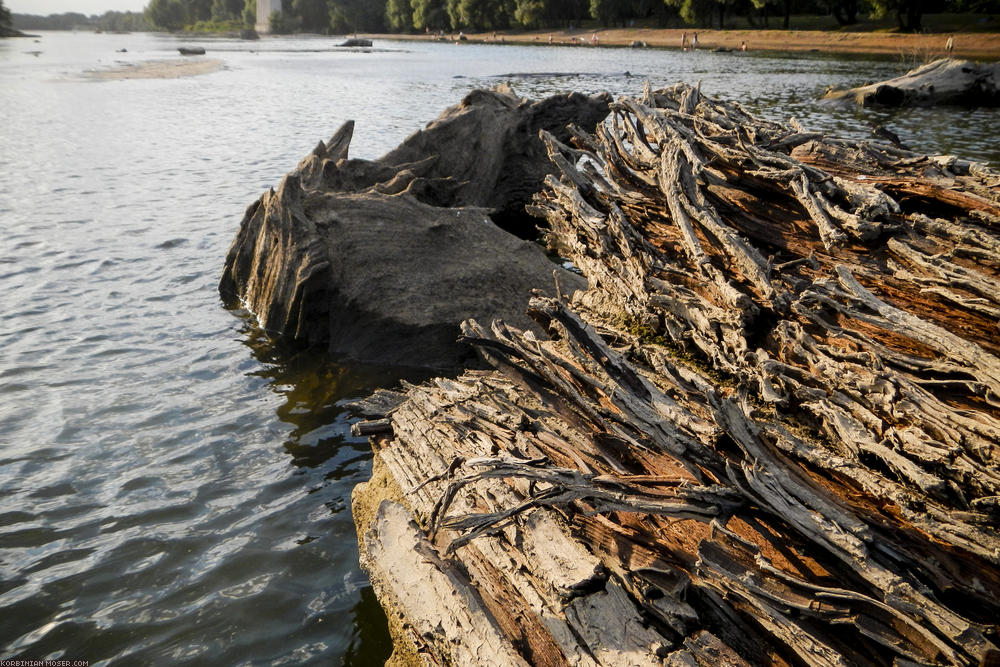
(684, 41)
(949, 46)
(694, 41)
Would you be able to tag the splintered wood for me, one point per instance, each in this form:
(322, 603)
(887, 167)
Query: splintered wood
(766, 434)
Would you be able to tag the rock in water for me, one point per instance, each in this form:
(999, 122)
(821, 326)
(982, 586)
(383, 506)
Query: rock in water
(380, 261)
(944, 81)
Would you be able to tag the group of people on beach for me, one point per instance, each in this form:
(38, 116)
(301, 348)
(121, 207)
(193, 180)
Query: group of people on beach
(694, 42)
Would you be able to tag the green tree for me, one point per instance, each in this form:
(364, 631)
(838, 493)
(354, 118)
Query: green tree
(566, 12)
(227, 10)
(357, 15)
(281, 23)
(198, 10)
(609, 12)
(694, 12)
(722, 7)
(844, 11)
(759, 12)
(399, 15)
(480, 14)
(166, 14)
(531, 13)
(112, 21)
(550, 13)
(4, 16)
(455, 18)
(429, 14)
(250, 13)
(314, 16)
(909, 13)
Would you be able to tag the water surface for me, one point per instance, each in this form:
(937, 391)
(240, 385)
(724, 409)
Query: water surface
(173, 486)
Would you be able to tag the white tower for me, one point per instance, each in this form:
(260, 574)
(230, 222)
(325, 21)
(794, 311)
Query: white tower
(264, 10)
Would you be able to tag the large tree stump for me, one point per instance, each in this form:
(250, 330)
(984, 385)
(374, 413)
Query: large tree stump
(381, 260)
(767, 433)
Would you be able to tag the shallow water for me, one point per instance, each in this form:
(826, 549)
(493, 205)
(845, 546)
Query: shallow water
(173, 486)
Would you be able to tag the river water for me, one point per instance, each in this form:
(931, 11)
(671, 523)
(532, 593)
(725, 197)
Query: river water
(174, 487)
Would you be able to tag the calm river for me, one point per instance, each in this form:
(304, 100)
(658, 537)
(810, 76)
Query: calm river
(174, 489)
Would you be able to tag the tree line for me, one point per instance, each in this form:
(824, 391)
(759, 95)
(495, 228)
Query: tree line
(344, 16)
(403, 16)
(5, 18)
(108, 21)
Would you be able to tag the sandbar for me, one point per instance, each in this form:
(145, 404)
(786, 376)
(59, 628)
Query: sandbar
(158, 69)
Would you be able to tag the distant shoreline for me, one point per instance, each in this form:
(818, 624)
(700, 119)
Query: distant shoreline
(976, 45)
(13, 32)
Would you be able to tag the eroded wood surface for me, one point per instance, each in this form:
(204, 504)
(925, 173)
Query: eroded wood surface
(942, 81)
(766, 434)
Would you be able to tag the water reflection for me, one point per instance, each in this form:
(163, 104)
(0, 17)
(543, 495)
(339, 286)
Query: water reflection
(314, 388)
(372, 644)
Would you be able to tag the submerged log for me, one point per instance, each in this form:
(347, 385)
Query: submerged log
(944, 81)
(381, 260)
(766, 434)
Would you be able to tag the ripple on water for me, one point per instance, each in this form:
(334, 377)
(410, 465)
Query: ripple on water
(21, 271)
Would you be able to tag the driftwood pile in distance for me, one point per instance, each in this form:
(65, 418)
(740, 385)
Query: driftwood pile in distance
(766, 434)
(943, 81)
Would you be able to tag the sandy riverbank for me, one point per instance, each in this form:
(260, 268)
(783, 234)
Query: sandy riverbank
(158, 69)
(976, 46)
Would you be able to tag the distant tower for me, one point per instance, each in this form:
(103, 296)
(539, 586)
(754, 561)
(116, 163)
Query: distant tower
(264, 10)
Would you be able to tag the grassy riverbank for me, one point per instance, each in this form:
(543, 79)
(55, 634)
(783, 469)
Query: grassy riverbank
(910, 47)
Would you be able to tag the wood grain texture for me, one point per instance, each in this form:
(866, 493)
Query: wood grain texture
(767, 432)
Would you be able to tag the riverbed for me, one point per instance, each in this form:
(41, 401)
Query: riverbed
(174, 485)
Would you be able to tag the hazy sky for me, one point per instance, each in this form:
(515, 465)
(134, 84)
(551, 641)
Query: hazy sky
(88, 7)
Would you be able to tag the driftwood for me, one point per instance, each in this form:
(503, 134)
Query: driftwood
(381, 260)
(944, 81)
(767, 433)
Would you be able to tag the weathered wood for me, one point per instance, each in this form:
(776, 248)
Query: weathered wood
(767, 432)
(944, 81)
(434, 595)
(381, 260)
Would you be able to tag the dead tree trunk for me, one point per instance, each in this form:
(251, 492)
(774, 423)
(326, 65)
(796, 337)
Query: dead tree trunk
(767, 433)
(944, 81)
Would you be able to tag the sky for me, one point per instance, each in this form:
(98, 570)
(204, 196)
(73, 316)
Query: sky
(88, 7)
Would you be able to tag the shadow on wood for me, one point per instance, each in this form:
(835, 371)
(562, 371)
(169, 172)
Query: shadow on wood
(381, 260)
